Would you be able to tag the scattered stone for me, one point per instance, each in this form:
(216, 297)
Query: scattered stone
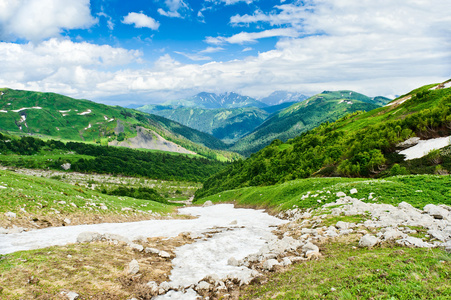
(232, 262)
(368, 241)
(286, 261)
(203, 286)
(341, 194)
(207, 203)
(10, 214)
(87, 237)
(151, 250)
(164, 254)
(333, 289)
(270, 264)
(234, 222)
(2, 187)
(70, 295)
(67, 221)
(137, 247)
(133, 267)
(353, 191)
(437, 212)
(153, 286)
(62, 202)
(66, 166)
(103, 206)
(127, 209)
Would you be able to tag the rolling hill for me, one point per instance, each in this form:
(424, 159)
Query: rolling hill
(361, 144)
(306, 115)
(52, 115)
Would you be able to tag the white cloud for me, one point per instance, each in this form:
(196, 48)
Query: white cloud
(140, 20)
(174, 9)
(195, 57)
(230, 2)
(383, 48)
(109, 20)
(40, 19)
(212, 50)
(250, 37)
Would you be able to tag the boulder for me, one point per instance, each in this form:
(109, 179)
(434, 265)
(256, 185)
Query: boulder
(151, 250)
(203, 286)
(207, 203)
(368, 241)
(133, 267)
(341, 194)
(153, 287)
(232, 262)
(66, 166)
(310, 247)
(353, 191)
(137, 247)
(270, 264)
(87, 237)
(70, 295)
(164, 254)
(437, 212)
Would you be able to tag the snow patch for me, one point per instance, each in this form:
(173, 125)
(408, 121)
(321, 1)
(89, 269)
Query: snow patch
(85, 112)
(424, 146)
(399, 101)
(20, 109)
(89, 126)
(65, 111)
(3, 111)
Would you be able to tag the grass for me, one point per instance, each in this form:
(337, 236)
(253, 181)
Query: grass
(35, 198)
(418, 190)
(349, 272)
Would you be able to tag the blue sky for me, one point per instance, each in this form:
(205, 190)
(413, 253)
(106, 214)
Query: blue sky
(150, 51)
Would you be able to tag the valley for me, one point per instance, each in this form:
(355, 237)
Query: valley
(329, 193)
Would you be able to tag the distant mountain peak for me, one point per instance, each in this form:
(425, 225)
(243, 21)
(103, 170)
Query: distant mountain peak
(212, 101)
(279, 97)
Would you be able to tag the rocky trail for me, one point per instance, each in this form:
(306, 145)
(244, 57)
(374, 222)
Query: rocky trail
(226, 248)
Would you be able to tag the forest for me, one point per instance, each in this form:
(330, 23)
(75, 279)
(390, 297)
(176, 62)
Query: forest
(91, 158)
(357, 145)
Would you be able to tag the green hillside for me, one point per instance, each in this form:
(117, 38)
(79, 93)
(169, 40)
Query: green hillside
(225, 124)
(358, 145)
(52, 115)
(303, 116)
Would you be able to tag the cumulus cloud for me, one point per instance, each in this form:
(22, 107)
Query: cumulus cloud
(140, 20)
(383, 48)
(41, 19)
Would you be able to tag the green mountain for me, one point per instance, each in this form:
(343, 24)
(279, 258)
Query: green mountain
(361, 144)
(212, 100)
(303, 116)
(55, 116)
(226, 124)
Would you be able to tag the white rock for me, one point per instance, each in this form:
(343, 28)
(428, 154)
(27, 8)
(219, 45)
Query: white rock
(70, 295)
(127, 209)
(391, 234)
(66, 166)
(61, 202)
(232, 262)
(270, 264)
(310, 247)
(207, 203)
(133, 267)
(286, 261)
(153, 286)
(234, 222)
(203, 286)
(103, 206)
(411, 241)
(136, 247)
(353, 191)
(368, 240)
(87, 237)
(341, 194)
(166, 286)
(152, 250)
(344, 225)
(164, 254)
(67, 221)
(437, 212)
(2, 187)
(10, 214)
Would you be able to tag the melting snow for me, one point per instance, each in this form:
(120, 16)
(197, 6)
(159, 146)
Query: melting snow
(194, 261)
(424, 146)
(89, 126)
(64, 111)
(20, 109)
(3, 111)
(85, 112)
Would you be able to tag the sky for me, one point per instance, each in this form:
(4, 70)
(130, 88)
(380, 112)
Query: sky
(149, 51)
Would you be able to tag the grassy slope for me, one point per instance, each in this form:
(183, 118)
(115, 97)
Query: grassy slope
(55, 120)
(39, 197)
(301, 117)
(417, 190)
(348, 272)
